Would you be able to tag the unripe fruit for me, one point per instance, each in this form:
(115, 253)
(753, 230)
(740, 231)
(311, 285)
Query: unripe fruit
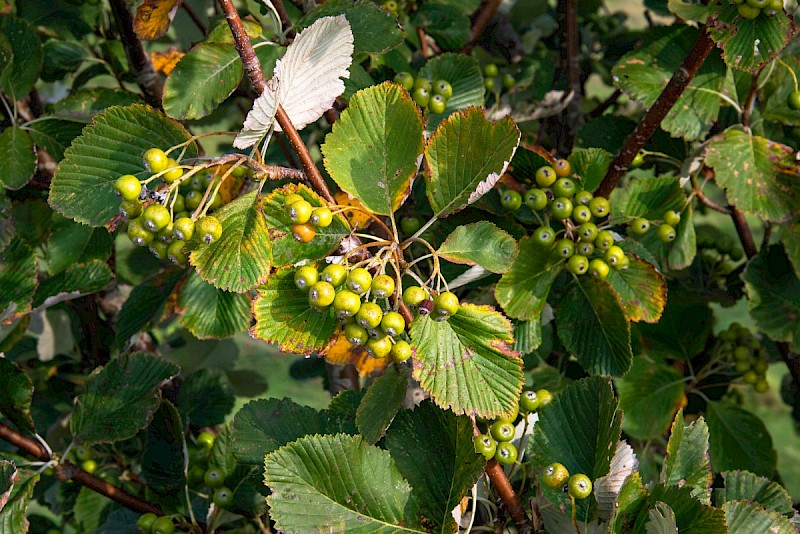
(582, 198)
(214, 478)
(638, 160)
(640, 226)
(748, 12)
(598, 268)
(762, 386)
(511, 200)
(545, 397)
(355, 334)
(587, 232)
(138, 234)
(545, 176)
(580, 486)
(183, 229)
(159, 249)
(423, 83)
(672, 218)
(409, 225)
(490, 70)
(369, 315)
(564, 187)
(544, 235)
(306, 276)
(528, 401)
(793, 101)
(485, 445)
(565, 248)
(206, 440)
(131, 208)
(614, 255)
(506, 453)
(175, 171)
(666, 233)
(163, 525)
(155, 217)
(300, 212)
(413, 296)
(145, 522)
(223, 497)
(489, 84)
(379, 347)
(401, 351)
(604, 240)
(536, 199)
(359, 280)
(177, 252)
(208, 229)
(578, 264)
(303, 233)
(290, 199)
(128, 187)
(443, 88)
(179, 205)
(193, 199)
(239, 172)
(155, 160)
(437, 104)
(581, 214)
(335, 274)
(405, 79)
(502, 431)
(321, 217)
(321, 295)
(393, 324)
(508, 81)
(421, 97)
(445, 305)
(346, 303)
(599, 206)
(585, 248)
(555, 476)
(382, 286)
(561, 208)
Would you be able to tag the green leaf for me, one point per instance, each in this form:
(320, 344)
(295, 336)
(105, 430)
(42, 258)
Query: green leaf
(745, 486)
(84, 104)
(687, 462)
(144, 303)
(285, 249)
(245, 481)
(13, 514)
(745, 518)
(688, 10)
(466, 362)
(203, 78)
(749, 45)
(120, 398)
(338, 484)
(649, 395)
(374, 30)
(265, 425)
(651, 198)
(644, 73)
(440, 475)
(211, 313)
(457, 177)
(240, 259)
(464, 74)
(480, 243)
(18, 266)
(593, 327)
(91, 509)
(8, 474)
(662, 520)
(373, 151)
(113, 145)
(79, 279)
(205, 397)
(27, 57)
(446, 25)
(691, 516)
(54, 135)
(164, 459)
(590, 164)
(7, 230)
(284, 316)
(383, 400)
(16, 150)
(739, 440)
(774, 295)
(630, 502)
(61, 58)
(770, 189)
(523, 290)
(642, 290)
(71, 243)
(16, 395)
(579, 429)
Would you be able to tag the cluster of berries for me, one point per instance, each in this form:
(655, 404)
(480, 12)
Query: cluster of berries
(665, 227)
(432, 96)
(492, 79)
(556, 476)
(714, 244)
(306, 218)
(496, 443)
(750, 9)
(739, 345)
(169, 232)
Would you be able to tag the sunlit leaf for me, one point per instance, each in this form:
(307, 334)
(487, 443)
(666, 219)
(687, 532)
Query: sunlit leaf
(153, 18)
(481, 243)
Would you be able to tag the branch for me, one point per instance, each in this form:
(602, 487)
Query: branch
(484, 16)
(195, 18)
(68, 471)
(745, 235)
(573, 112)
(674, 89)
(707, 201)
(286, 22)
(141, 67)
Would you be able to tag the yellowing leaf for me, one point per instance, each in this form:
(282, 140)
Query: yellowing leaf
(358, 219)
(153, 18)
(343, 352)
(165, 61)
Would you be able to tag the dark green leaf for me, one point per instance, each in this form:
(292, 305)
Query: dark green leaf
(745, 518)
(383, 400)
(374, 30)
(164, 459)
(17, 279)
(687, 462)
(54, 135)
(71, 243)
(18, 78)
(523, 290)
(445, 24)
(61, 58)
(480, 243)
(79, 279)
(84, 104)
(8, 475)
(245, 481)
(91, 509)
(745, 486)
(205, 397)
(739, 440)
(690, 515)
(144, 304)
(464, 74)
(649, 395)
(209, 312)
(19, 157)
(16, 394)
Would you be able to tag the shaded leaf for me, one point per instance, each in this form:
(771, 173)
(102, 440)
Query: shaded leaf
(446, 25)
(71, 243)
(91, 509)
(16, 150)
(144, 303)
(209, 312)
(591, 165)
(687, 462)
(79, 279)
(745, 486)
(374, 30)
(523, 290)
(745, 517)
(739, 440)
(464, 75)
(18, 266)
(16, 395)
(205, 397)
(481, 243)
(54, 135)
(13, 514)
(26, 58)
(164, 460)
(649, 395)
(383, 400)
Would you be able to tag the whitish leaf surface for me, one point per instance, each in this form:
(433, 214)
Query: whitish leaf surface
(739, 440)
(687, 462)
(375, 31)
(649, 394)
(83, 185)
(690, 515)
(338, 484)
(662, 520)
(607, 487)
(465, 157)
(209, 312)
(306, 80)
(374, 149)
(481, 243)
(383, 400)
(16, 395)
(745, 518)
(120, 398)
(466, 362)
(16, 150)
(523, 290)
(745, 486)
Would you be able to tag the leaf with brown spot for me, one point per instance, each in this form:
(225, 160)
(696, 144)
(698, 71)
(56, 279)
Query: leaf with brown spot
(153, 18)
(165, 61)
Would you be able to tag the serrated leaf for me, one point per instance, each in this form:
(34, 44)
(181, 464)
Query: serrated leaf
(773, 291)
(205, 397)
(456, 176)
(523, 290)
(26, 60)
(440, 476)
(211, 313)
(91, 509)
(383, 400)
(481, 243)
(83, 104)
(16, 150)
(591, 165)
(748, 45)
(164, 460)
(153, 18)
(662, 520)
(54, 135)
(446, 25)
(70, 243)
(690, 515)
(144, 303)
(112, 146)
(285, 249)
(580, 429)
(745, 486)
(642, 290)
(284, 316)
(16, 395)
(739, 440)
(265, 425)
(683, 329)
(120, 399)
(464, 75)
(593, 327)
(745, 517)
(644, 73)
(306, 80)
(338, 484)
(687, 462)
(77, 280)
(373, 151)
(649, 395)
(608, 487)
(630, 502)
(18, 266)
(466, 362)
(240, 259)
(758, 175)
(375, 31)
(13, 514)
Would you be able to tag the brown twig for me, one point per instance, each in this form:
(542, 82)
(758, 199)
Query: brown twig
(747, 108)
(67, 471)
(573, 112)
(666, 100)
(483, 18)
(141, 67)
(745, 235)
(707, 201)
(195, 18)
(423, 42)
(607, 103)
(286, 22)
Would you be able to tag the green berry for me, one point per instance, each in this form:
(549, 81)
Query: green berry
(306, 276)
(599, 206)
(545, 176)
(445, 305)
(565, 248)
(145, 522)
(163, 525)
(183, 229)
(666, 233)
(214, 478)
(240, 171)
(321, 295)
(750, 377)
(355, 333)
(159, 249)
(421, 96)
(290, 199)
(579, 486)
(401, 351)
(423, 83)
(177, 252)
(131, 208)
(206, 440)
(506, 453)
(128, 187)
(672, 218)
(346, 304)
(193, 199)
(409, 225)
(413, 296)
(604, 240)
(437, 104)
(490, 70)
(155, 160)
(544, 235)
(528, 401)
(489, 84)
(509, 81)
(640, 226)
(393, 324)
(406, 79)
(793, 101)
(443, 88)
(223, 497)
(614, 255)
(585, 248)
(369, 315)
(587, 232)
(564, 187)
(555, 476)
(208, 229)
(581, 214)
(760, 4)
(155, 217)
(510, 200)
(335, 274)
(761, 386)
(359, 280)
(379, 347)
(321, 217)
(582, 198)
(300, 212)
(90, 466)
(502, 431)
(382, 286)
(748, 12)
(598, 268)
(486, 445)
(638, 160)
(536, 199)
(138, 234)
(175, 171)
(561, 208)
(578, 264)
(545, 397)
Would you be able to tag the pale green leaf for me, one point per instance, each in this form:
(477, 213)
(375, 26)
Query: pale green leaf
(91, 509)
(77, 280)
(746, 518)
(642, 290)
(209, 312)
(745, 486)
(481, 243)
(687, 462)
(523, 290)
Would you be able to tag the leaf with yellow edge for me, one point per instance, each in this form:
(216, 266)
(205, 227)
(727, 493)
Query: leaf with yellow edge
(357, 217)
(343, 352)
(153, 18)
(165, 61)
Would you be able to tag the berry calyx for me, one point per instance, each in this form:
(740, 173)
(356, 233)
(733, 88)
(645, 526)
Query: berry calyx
(502, 431)
(401, 351)
(382, 286)
(155, 160)
(321, 295)
(445, 305)
(346, 304)
(303, 233)
(511, 200)
(579, 486)
(214, 478)
(138, 234)
(208, 229)
(413, 296)
(359, 280)
(306, 276)
(555, 476)
(578, 264)
(486, 445)
(335, 274)
(506, 453)
(393, 323)
(355, 333)
(369, 315)
(128, 187)
(321, 217)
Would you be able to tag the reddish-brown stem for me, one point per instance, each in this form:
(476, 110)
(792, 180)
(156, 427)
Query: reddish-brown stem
(286, 22)
(648, 125)
(423, 42)
(141, 67)
(607, 103)
(67, 471)
(483, 18)
(698, 192)
(573, 112)
(745, 235)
